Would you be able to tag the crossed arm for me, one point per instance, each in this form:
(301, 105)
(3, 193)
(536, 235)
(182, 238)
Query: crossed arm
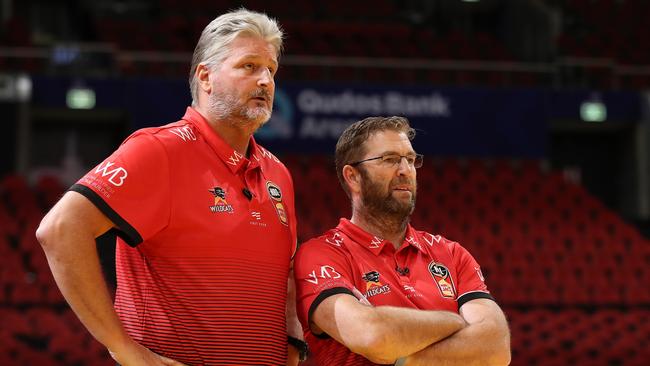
(383, 334)
(484, 341)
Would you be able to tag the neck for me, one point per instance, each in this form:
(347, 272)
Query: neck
(233, 134)
(381, 225)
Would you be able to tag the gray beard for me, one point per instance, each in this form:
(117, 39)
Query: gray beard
(225, 107)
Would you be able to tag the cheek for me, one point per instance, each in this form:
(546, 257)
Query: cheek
(222, 85)
(384, 183)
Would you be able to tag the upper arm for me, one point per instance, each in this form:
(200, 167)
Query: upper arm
(74, 215)
(321, 271)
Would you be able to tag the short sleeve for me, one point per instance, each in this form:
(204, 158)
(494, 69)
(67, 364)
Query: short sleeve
(471, 283)
(131, 187)
(321, 270)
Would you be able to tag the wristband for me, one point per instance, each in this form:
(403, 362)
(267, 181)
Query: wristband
(300, 345)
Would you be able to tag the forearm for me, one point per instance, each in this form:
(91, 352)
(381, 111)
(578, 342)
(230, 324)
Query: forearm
(294, 328)
(72, 255)
(482, 343)
(403, 331)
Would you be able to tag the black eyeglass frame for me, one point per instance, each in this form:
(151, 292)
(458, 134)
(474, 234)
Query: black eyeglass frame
(418, 157)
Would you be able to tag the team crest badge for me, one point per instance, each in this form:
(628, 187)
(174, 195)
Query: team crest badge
(276, 195)
(442, 278)
(373, 285)
(220, 203)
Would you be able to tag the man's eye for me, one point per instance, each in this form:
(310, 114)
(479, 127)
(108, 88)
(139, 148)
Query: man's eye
(391, 159)
(410, 160)
(249, 66)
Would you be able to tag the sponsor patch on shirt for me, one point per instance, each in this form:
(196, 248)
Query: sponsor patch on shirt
(443, 280)
(276, 195)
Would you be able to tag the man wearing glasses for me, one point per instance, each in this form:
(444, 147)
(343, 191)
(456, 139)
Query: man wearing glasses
(374, 290)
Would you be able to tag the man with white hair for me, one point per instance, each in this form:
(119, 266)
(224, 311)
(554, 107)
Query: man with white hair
(204, 217)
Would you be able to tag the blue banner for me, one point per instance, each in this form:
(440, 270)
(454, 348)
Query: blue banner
(477, 122)
(309, 117)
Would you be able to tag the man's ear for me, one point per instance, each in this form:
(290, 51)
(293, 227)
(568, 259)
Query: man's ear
(352, 178)
(203, 77)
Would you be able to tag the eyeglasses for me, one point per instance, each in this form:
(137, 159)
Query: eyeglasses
(393, 160)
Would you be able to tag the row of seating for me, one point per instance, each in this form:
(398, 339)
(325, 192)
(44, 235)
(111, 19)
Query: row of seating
(570, 274)
(601, 28)
(580, 337)
(339, 28)
(49, 336)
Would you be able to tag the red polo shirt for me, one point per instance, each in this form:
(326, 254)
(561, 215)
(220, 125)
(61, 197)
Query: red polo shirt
(205, 240)
(427, 272)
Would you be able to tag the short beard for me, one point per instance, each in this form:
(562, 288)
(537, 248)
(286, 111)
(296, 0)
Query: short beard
(224, 106)
(381, 207)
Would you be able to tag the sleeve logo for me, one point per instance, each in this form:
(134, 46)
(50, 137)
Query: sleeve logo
(479, 273)
(117, 174)
(326, 272)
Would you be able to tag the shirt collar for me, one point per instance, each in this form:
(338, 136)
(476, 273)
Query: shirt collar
(373, 243)
(234, 160)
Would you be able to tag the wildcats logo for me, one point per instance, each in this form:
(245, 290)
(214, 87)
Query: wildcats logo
(443, 279)
(373, 286)
(220, 203)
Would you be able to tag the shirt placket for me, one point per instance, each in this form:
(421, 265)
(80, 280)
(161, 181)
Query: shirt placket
(250, 189)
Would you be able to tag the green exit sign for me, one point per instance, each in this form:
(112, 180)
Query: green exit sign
(593, 112)
(80, 98)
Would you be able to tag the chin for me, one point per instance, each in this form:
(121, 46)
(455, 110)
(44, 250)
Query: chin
(256, 118)
(261, 121)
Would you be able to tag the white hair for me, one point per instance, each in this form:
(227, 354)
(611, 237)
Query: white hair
(213, 45)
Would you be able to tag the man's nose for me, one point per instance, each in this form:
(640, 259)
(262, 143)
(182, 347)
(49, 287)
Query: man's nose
(403, 167)
(265, 78)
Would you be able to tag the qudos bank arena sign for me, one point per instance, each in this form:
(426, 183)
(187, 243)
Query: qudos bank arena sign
(449, 121)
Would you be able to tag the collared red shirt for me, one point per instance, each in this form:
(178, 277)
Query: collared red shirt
(205, 238)
(427, 272)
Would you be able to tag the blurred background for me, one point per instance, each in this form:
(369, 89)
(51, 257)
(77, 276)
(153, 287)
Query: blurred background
(532, 115)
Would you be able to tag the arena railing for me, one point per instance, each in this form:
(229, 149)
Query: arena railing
(105, 60)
